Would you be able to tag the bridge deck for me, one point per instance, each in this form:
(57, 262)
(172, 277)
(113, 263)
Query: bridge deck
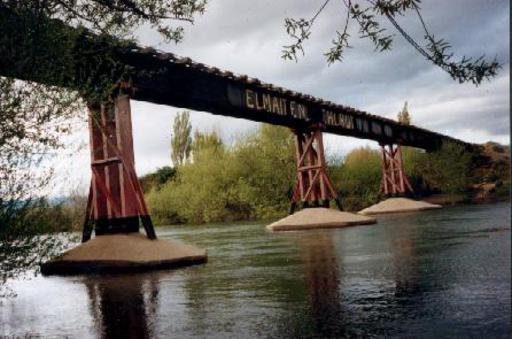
(185, 83)
(180, 82)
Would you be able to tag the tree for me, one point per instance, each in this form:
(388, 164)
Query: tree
(181, 140)
(117, 18)
(252, 179)
(447, 170)
(367, 18)
(358, 177)
(403, 116)
(265, 166)
(205, 140)
(33, 117)
(157, 179)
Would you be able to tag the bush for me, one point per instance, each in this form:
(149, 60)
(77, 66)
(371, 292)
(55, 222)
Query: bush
(251, 180)
(446, 170)
(357, 178)
(157, 179)
(254, 178)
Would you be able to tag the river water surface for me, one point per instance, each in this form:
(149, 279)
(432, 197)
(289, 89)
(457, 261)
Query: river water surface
(442, 273)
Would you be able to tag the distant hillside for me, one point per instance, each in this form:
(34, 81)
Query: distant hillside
(491, 172)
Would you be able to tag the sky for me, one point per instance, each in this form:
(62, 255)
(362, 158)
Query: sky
(246, 37)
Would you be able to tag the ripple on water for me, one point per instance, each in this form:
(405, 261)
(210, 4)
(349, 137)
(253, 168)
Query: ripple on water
(436, 273)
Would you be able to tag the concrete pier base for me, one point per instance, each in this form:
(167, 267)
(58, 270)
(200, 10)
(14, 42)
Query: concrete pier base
(315, 218)
(398, 205)
(124, 252)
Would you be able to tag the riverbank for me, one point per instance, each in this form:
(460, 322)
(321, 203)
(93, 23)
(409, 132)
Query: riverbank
(253, 179)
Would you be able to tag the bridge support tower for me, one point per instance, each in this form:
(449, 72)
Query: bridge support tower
(394, 181)
(116, 207)
(116, 201)
(395, 186)
(313, 187)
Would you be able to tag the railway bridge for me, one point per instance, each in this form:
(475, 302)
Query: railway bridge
(116, 202)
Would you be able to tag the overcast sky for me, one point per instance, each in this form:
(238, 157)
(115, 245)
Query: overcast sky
(247, 36)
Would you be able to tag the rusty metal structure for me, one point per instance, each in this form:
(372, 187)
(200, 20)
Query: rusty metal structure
(394, 180)
(313, 187)
(116, 202)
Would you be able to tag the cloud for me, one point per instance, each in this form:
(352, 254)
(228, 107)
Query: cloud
(247, 37)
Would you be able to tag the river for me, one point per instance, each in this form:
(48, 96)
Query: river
(440, 273)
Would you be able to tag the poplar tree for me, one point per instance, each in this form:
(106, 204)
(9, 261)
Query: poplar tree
(181, 139)
(403, 116)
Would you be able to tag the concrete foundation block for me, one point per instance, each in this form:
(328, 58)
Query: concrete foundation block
(124, 253)
(398, 205)
(317, 218)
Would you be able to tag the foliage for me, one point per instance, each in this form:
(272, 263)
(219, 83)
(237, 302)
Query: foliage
(504, 189)
(265, 167)
(118, 18)
(156, 179)
(437, 51)
(181, 140)
(205, 140)
(447, 170)
(250, 180)
(411, 157)
(198, 194)
(33, 118)
(403, 116)
(24, 253)
(357, 178)
(253, 179)
(23, 244)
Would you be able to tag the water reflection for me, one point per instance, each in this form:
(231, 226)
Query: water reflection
(356, 281)
(322, 277)
(123, 306)
(404, 260)
(442, 273)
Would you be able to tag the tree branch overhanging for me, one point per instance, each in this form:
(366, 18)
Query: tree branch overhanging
(437, 51)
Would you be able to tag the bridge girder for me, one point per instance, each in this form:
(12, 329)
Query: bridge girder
(163, 78)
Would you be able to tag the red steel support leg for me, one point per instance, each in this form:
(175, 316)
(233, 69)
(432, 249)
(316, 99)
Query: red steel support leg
(313, 186)
(116, 201)
(394, 181)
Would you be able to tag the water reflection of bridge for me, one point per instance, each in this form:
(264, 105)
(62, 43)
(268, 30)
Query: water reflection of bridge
(123, 306)
(347, 292)
(324, 284)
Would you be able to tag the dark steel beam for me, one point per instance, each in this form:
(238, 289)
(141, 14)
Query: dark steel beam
(163, 78)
